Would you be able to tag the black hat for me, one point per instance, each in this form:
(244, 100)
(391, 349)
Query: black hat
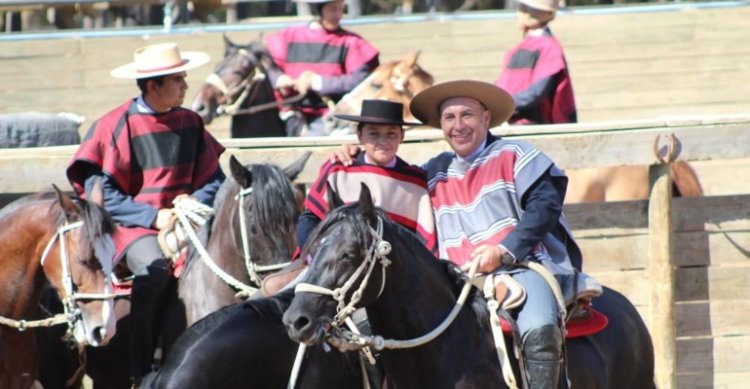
(380, 112)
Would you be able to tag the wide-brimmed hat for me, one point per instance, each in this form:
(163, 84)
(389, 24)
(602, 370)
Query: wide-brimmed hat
(379, 112)
(425, 106)
(160, 59)
(543, 5)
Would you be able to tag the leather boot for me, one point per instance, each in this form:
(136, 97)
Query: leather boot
(145, 319)
(543, 353)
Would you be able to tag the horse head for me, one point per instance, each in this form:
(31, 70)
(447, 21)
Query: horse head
(397, 81)
(268, 208)
(78, 263)
(231, 81)
(345, 250)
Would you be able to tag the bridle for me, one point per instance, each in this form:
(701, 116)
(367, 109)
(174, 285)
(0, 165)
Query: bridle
(376, 253)
(72, 314)
(254, 271)
(352, 340)
(245, 91)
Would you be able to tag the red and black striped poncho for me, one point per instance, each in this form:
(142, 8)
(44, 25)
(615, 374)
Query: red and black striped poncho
(153, 157)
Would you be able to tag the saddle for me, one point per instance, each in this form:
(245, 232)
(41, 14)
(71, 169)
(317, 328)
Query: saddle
(581, 318)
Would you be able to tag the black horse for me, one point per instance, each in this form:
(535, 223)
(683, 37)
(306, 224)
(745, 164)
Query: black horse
(417, 294)
(240, 87)
(245, 346)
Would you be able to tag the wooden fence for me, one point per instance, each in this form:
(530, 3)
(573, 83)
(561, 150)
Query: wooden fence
(624, 66)
(702, 244)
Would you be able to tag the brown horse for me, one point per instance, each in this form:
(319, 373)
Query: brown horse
(239, 87)
(396, 81)
(52, 238)
(625, 183)
(262, 195)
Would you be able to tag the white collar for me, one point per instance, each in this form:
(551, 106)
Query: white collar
(475, 153)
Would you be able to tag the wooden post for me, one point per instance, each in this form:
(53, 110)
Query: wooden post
(662, 275)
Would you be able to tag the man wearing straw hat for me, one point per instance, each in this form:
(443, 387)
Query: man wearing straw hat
(500, 202)
(148, 152)
(535, 72)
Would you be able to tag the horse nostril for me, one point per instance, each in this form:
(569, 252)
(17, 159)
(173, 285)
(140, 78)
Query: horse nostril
(99, 334)
(301, 323)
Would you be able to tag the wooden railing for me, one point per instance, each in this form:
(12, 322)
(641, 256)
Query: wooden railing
(683, 262)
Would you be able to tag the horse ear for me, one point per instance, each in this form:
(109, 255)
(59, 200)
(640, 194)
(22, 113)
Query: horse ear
(97, 193)
(240, 173)
(66, 203)
(227, 42)
(334, 200)
(296, 167)
(366, 205)
(410, 59)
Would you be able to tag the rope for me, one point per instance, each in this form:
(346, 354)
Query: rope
(179, 210)
(265, 106)
(497, 334)
(297, 366)
(22, 325)
(379, 343)
(355, 341)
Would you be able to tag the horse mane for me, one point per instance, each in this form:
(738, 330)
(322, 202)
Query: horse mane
(454, 274)
(271, 203)
(96, 221)
(273, 198)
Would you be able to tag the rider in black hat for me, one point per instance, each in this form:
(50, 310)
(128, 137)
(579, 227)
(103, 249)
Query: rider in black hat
(396, 186)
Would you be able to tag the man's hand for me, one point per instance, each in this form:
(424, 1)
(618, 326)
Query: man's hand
(345, 154)
(163, 218)
(183, 197)
(285, 85)
(490, 257)
(305, 82)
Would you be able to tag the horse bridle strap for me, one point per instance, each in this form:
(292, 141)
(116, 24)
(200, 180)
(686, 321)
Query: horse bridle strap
(375, 254)
(71, 314)
(67, 278)
(224, 276)
(253, 269)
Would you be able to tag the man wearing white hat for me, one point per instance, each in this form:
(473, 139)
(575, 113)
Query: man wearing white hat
(146, 153)
(500, 202)
(321, 61)
(535, 72)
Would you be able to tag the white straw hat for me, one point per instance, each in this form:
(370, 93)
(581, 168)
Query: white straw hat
(542, 5)
(160, 59)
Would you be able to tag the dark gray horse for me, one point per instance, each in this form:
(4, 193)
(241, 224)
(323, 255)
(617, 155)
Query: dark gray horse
(417, 294)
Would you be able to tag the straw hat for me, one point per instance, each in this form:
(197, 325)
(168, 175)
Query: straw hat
(379, 112)
(159, 59)
(542, 5)
(425, 106)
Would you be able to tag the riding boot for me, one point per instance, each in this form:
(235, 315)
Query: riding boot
(145, 313)
(543, 353)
